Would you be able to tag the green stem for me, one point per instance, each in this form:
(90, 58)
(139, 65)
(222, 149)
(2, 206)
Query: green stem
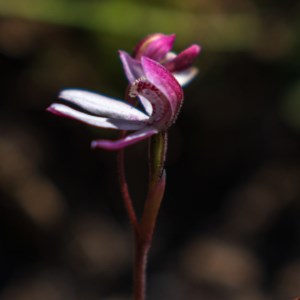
(157, 157)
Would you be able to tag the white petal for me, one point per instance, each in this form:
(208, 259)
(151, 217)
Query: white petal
(184, 77)
(102, 105)
(169, 56)
(66, 111)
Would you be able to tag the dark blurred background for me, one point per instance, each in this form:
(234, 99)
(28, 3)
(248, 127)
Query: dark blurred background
(229, 226)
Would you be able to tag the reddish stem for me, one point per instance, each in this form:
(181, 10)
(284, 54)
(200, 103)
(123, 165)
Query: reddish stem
(140, 264)
(141, 248)
(125, 191)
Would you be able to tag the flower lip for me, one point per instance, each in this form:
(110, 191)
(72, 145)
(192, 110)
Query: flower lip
(161, 116)
(160, 77)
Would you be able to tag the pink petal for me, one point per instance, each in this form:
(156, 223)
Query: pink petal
(154, 46)
(102, 105)
(132, 67)
(68, 112)
(125, 142)
(183, 60)
(165, 82)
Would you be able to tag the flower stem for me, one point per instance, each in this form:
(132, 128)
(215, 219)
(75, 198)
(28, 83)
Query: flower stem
(157, 157)
(125, 191)
(140, 264)
(143, 231)
(143, 238)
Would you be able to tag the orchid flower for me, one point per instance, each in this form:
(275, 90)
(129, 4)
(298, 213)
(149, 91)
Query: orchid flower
(156, 76)
(151, 82)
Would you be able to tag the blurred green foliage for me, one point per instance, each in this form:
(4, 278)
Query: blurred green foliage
(217, 30)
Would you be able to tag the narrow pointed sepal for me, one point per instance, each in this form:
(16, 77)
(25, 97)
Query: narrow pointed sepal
(126, 141)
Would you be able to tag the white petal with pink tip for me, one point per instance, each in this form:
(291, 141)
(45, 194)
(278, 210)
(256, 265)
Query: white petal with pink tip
(66, 111)
(102, 105)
